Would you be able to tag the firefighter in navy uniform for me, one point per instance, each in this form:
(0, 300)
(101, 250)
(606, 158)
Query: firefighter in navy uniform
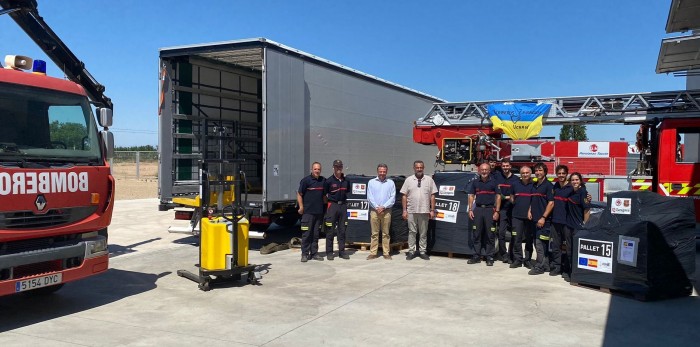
(505, 180)
(541, 210)
(521, 196)
(310, 200)
(485, 198)
(336, 220)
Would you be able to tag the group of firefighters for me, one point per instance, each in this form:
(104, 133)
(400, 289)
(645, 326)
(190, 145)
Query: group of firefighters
(534, 211)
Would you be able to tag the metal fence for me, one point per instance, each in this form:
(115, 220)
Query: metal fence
(140, 165)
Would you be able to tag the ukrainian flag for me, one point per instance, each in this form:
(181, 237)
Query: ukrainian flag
(519, 121)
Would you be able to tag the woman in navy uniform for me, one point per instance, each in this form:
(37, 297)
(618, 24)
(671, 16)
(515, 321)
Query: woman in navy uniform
(578, 210)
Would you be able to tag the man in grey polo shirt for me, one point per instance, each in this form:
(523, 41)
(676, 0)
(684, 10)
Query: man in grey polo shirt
(418, 208)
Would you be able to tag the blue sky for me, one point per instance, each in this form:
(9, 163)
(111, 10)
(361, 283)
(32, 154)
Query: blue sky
(456, 50)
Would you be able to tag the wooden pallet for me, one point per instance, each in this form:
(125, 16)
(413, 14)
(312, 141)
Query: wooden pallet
(610, 291)
(365, 246)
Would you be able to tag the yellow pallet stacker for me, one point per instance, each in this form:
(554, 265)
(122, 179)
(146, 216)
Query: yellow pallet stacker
(224, 242)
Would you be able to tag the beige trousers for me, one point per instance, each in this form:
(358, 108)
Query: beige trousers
(380, 221)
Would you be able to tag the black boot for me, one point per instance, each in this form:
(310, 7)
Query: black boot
(474, 260)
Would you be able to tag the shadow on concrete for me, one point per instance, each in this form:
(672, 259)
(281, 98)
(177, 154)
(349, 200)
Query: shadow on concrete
(23, 310)
(275, 233)
(673, 322)
(117, 250)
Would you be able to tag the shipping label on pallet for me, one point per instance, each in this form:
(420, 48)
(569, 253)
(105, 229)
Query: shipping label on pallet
(621, 206)
(359, 189)
(446, 210)
(358, 209)
(595, 255)
(447, 190)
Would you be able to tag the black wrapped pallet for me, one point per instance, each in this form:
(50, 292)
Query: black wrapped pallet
(449, 231)
(359, 230)
(642, 244)
(399, 226)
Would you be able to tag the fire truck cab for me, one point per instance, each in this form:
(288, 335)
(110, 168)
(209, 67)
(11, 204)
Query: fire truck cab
(56, 187)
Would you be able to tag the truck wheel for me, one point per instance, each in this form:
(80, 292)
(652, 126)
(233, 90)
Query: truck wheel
(44, 290)
(287, 220)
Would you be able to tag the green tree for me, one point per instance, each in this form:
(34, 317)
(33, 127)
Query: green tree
(71, 135)
(573, 132)
(142, 148)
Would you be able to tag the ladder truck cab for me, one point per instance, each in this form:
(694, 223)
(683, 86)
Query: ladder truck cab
(668, 140)
(56, 188)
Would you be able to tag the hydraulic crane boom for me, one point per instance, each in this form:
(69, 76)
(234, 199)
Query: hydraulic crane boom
(26, 14)
(634, 108)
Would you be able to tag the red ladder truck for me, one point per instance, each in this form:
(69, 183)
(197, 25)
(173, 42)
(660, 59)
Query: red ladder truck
(668, 140)
(56, 187)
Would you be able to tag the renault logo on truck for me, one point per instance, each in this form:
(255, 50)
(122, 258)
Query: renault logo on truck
(40, 202)
(43, 182)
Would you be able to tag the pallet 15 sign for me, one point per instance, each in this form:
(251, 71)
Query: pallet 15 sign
(595, 255)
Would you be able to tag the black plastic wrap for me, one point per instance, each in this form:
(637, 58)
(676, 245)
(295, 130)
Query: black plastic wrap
(399, 226)
(642, 243)
(449, 231)
(359, 229)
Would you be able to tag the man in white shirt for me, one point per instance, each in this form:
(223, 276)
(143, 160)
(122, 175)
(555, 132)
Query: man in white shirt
(381, 194)
(418, 208)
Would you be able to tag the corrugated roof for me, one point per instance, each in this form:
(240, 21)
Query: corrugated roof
(679, 54)
(248, 53)
(684, 15)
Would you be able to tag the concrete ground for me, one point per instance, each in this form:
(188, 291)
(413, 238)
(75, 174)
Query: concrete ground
(141, 301)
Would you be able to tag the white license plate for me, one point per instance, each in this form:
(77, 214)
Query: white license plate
(38, 282)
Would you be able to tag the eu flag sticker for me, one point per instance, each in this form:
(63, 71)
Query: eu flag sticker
(583, 261)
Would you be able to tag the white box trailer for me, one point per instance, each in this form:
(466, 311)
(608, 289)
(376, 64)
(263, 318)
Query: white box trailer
(278, 109)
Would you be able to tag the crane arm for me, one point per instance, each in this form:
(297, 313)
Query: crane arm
(26, 14)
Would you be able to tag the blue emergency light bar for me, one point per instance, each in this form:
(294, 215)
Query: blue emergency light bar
(39, 67)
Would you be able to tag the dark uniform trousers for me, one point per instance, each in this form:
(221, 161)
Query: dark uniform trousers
(523, 229)
(310, 224)
(484, 231)
(336, 221)
(569, 239)
(556, 241)
(504, 227)
(542, 245)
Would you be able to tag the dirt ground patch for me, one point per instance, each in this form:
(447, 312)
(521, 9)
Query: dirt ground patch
(136, 185)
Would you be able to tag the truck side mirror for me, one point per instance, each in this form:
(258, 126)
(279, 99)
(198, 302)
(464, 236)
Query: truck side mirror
(105, 117)
(108, 140)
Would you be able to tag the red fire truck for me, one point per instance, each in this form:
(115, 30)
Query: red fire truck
(56, 188)
(587, 157)
(668, 140)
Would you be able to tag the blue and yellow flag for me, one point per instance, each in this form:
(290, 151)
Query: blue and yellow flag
(519, 121)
